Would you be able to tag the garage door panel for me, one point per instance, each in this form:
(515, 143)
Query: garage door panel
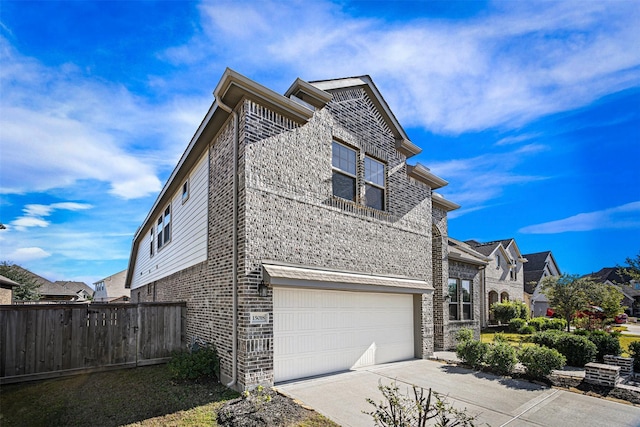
(322, 331)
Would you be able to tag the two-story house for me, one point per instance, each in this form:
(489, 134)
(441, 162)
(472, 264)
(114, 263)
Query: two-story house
(112, 289)
(300, 238)
(503, 276)
(538, 266)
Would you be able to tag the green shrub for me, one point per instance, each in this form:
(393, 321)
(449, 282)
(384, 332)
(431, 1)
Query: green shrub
(539, 361)
(516, 324)
(472, 352)
(527, 330)
(547, 338)
(556, 324)
(464, 334)
(198, 362)
(577, 349)
(505, 311)
(634, 351)
(606, 343)
(538, 323)
(501, 358)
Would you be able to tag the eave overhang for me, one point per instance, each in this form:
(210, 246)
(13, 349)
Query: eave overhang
(308, 93)
(440, 201)
(299, 276)
(423, 174)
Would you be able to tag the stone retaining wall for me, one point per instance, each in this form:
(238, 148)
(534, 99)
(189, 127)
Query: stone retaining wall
(625, 363)
(601, 374)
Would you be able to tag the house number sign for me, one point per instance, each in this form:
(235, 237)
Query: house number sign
(258, 318)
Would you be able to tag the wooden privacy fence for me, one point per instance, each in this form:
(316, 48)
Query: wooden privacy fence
(45, 341)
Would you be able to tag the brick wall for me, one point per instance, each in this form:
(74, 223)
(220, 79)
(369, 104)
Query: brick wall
(287, 213)
(460, 270)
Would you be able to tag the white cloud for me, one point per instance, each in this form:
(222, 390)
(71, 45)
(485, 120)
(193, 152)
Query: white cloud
(481, 179)
(625, 216)
(21, 255)
(35, 214)
(60, 126)
(513, 64)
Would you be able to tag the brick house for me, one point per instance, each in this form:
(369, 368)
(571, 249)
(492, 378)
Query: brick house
(300, 238)
(503, 277)
(538, 266)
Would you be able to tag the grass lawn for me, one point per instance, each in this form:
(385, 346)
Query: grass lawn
(145, 396)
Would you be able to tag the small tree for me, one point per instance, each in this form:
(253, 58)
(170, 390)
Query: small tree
(29, 289)
(416, 409)
(567, 294)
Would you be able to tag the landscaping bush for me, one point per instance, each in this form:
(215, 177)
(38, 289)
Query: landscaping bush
(539, 361)
(505, 311)
(538, 323)
(606, 343)
(527, 330)
(634, 351)
(464, 334)
(199, 362)
(554, 324)
(472, 352)
(577, 349)
(501, 358)
(547, 338)
(516, 324)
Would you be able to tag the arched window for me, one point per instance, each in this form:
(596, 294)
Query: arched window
(504, 297)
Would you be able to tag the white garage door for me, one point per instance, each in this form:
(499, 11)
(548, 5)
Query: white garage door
(321, 331)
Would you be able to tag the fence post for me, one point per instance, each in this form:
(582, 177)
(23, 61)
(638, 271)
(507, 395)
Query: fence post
(138, 332)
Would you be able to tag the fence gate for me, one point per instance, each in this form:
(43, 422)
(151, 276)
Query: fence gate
(45, 341)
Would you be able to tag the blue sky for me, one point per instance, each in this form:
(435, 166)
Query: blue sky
(531, 111)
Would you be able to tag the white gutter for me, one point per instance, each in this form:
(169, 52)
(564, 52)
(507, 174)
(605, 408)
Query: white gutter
(234, 332)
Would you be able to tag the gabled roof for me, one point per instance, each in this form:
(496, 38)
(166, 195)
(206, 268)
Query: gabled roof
(460, 251)
(537, 261)
(403, 144)
(531, 280)
(610, 274)
(489, 248)
(58, 288)
(66, 288)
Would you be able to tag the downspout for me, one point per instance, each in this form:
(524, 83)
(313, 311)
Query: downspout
(234, 333)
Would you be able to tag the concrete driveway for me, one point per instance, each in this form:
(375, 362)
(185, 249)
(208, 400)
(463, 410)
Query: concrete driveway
(496, 401)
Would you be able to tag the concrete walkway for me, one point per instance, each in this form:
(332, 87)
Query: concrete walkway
(497, 401)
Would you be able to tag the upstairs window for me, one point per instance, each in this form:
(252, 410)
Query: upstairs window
(374, 183)
(344, 171)
(185, 191)
(151, 240)
(163, 229)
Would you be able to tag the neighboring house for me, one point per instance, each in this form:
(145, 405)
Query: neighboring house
(630, 288)
(6, 290)
(466, 287)
(300, 238)
(538, 266)
(59, 291)
(504, 277)
(112, 288)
